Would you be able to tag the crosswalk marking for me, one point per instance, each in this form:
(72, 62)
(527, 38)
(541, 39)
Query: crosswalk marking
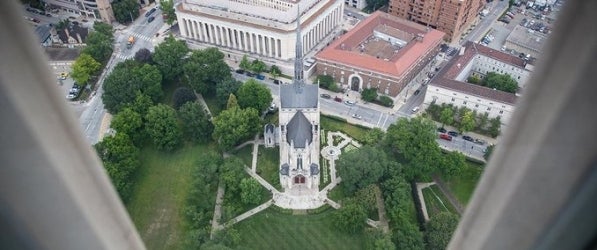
(123, 57)
(139, 36)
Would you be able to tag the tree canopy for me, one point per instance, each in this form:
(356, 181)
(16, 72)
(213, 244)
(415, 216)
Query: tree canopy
(350, 217)
(99, 46)
(128, 79)
(361, 167)
(275, 71)
(195, 122)
(440, 229)
(143, 55)
(245, 64)
(258, 66)
(250, 191)
(162, 126)
(120, 158)
(327, 82)
(254, 95)
(129, 122)
(125, 11)
(369, 94)
(205, 69)
(83, 68)
(167, 7)
(232, 173)
(183, 95)
(226, 87)
(467, 122)
(234, 125)
(503, 82)
(232, 102)
(168, 57)
(415, 140)
(447, 116)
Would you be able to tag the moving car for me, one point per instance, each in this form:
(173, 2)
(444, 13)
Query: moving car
(415, 109)
(349, 103)
(453, 133)
(325, 96)
(63, 75)
(445, 137)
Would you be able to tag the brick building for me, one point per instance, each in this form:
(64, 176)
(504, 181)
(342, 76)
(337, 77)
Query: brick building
(450, 16)
(383, 52)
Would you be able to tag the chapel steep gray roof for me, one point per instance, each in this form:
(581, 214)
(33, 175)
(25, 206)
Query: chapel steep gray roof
(314, 169)
(306, 97)
(299, 130)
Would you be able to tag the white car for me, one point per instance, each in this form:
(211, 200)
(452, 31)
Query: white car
(349, 103)
(358, 117)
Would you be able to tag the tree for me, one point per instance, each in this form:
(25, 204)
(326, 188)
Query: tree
(141, 104)
(226, 87)
(473, 79)
(162, 127)
(195, 122)
(99, 46)
(483, 119)
(83, 68)
(129, 122)
(183, 95)
(275, 71)
(143, 55)
(125, 11)
(350, 218)
(254, 95)
(258, 66)
(232, 173)
(232, 102)
(439, 230)
(407, 235)
(369, 94)
(373, 137)
(452, 164)
(447, 116)
(366, 197)
(467, 122)
(120, 158)
(250, 191)
(234, 125)
(415, 140)
(167, 7)
(205, 69)
(361, 167)
(375, 239)
(327, 82)
(245, 64)
(168, 57)
(104, 28)
(495, 125)
(386, 101)
(503, 82)
(127, 80)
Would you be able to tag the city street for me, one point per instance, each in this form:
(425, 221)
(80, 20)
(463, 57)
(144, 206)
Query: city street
(91, 118)
(496, 8)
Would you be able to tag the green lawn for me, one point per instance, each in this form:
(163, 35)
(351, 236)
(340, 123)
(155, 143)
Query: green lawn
(272, 230)
(435, 206)
(330, 124)
(463, 185)
(162, 185)
(267, 165)
(246, 154)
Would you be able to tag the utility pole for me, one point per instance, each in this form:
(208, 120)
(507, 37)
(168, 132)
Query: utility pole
(131, 14)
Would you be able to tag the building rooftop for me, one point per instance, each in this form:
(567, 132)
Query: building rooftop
(527, 38)
(43, 32)
(306, 98)
(299, 130)
(446, 76)
(383, 43)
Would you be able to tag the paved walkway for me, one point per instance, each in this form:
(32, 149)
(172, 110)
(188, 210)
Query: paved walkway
(249, 213)
(255, 151)
(217, 211)
(446, 191)
(420, 187)
(201, 101)
(381, 211)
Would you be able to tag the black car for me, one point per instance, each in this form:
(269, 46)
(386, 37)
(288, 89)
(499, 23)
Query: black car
(467, 138)
(276, 81)
(150, 12)
(326, 96)
(417, 91)
(250, 74)
(441, 130)
(453, 133)
(239, 71)
(150, 19)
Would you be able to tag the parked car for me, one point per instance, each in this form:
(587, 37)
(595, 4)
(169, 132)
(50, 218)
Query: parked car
(150, 19)
(417, 92)
(442, 130)
(415, 109)
(445, 137)
(349, 103)
(260, 77)
(355, 116)
(276, 81)
(479, 141)
(150, 12)
(467, 138)
(453, 133)
(325, 96)
(239, 71)
(250, 74)
(338, 99)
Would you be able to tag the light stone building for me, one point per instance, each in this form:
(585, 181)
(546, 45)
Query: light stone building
(359, 4)
(264, 28)
(299, 131)
(450, 85)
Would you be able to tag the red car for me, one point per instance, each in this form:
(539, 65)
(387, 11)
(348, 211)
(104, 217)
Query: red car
(338, 99)
(445, 137)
